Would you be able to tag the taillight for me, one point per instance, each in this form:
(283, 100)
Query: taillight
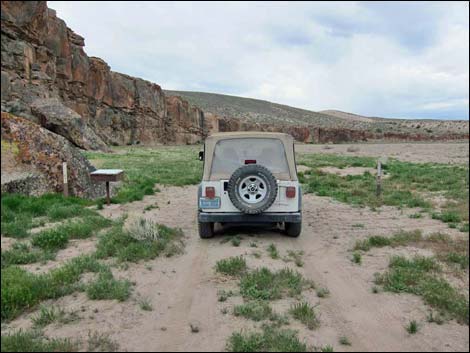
(290, 192)
(250, 161)
(210, 192)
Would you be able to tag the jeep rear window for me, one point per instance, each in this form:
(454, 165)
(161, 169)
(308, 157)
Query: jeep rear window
(233, 153)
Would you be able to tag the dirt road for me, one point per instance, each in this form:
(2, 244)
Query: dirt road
(183, 289)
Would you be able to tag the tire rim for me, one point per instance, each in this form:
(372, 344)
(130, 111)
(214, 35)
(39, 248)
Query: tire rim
(252, 189)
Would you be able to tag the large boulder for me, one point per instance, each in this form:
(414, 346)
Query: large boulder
(37, 154)
(58, 118)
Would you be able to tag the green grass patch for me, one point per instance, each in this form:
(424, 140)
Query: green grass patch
(398, 239)
(273, 252)
(412, 327)
(263, 284)
(420, 276)
(144, 167)
(305, 313)
(233, 266)
(446, 248)
(51, 314)
(254, 310)
(22, 290)
(34, 341)
(460, 259)
(57, 238)
(223, 295)
(107, 287)
(22, 254)
(270, 339)
(19, 212)
(296, 256)
(357, 258)
(236, 240)
(100, 342)
(145, 240)
(404, 186)
(145, 304)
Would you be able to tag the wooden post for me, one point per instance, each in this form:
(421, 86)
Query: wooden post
(66, 184)
(379, 178)
(108, 200)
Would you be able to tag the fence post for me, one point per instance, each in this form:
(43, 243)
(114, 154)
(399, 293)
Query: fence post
(379, 178)
(66, 184)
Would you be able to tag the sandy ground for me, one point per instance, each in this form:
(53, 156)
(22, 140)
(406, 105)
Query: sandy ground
(184, 289)
(409, 152)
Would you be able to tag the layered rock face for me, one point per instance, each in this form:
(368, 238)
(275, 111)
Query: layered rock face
(32, 158)
(48, 78)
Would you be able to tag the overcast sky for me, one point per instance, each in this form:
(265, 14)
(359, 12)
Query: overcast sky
(408, 60)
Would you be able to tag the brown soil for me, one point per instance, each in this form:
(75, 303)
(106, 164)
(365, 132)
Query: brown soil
(184, 289)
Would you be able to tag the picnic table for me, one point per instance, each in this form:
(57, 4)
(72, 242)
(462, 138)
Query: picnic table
(107, 175)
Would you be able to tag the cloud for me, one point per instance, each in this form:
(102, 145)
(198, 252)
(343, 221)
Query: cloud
(379, 59)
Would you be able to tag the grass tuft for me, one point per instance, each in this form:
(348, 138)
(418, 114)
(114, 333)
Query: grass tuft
(233, 266)
(270, 339)
(305, 313)
(357, 258)
(412, 327)
(272, 251)
(323, 292)
(34, 341)
(263, 284)
(254, 310)
(106, 287)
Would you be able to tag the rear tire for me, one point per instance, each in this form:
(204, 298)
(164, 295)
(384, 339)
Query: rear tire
(293, 229)
(206, 229)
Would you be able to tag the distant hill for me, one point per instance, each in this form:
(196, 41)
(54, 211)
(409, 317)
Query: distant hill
(349, 116)
(261, 111)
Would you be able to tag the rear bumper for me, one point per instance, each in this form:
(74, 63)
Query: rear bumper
(229, 217)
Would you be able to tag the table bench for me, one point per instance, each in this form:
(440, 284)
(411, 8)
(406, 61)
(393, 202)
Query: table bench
(107, 175)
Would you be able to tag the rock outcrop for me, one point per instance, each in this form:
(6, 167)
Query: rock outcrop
(48, 78)
(58, 118)
(46, 75)
(35, 156)
(186, 123)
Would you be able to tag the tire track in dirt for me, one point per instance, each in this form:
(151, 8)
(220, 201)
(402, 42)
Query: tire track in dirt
(184, 288)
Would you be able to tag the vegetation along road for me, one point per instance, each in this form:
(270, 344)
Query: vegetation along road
(366, 273)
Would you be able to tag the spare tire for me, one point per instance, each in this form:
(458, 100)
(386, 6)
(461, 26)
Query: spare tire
(252, 188)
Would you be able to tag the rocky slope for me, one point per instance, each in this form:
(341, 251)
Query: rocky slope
(323, 126)
(48, 78)
(32, 158)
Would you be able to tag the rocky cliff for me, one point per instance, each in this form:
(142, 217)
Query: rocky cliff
(48, 78)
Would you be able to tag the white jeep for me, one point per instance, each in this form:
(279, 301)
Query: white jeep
(249, 177)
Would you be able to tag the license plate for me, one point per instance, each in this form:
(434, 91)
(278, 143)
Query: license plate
(209, 203)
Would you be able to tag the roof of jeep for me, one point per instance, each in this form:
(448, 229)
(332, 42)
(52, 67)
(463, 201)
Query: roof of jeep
(250, 134)
(286, 139)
